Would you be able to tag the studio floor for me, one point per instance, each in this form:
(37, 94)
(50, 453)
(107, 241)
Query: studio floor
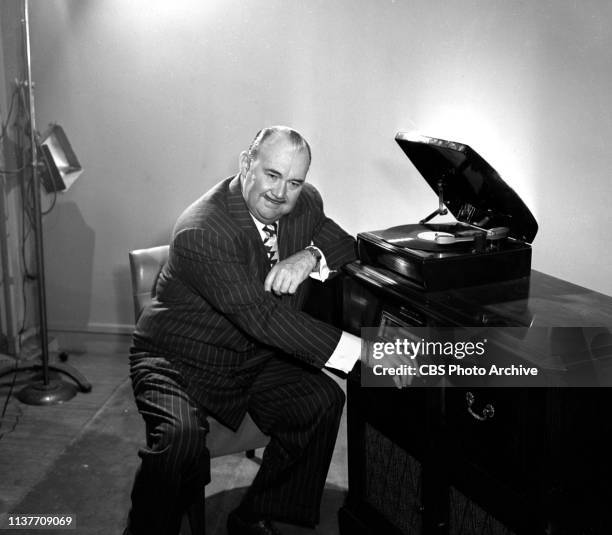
(79, 457)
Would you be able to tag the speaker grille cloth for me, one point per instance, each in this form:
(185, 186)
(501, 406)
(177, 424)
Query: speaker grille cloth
(392, 482)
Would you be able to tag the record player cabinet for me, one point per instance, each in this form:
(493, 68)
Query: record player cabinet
(429, 461)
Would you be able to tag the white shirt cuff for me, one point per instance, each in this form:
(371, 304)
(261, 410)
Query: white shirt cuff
(346, 354)
(322, 274)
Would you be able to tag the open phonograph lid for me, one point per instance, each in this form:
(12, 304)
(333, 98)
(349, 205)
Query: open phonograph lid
(470, 188)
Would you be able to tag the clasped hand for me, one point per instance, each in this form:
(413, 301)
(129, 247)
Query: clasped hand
(288, 274)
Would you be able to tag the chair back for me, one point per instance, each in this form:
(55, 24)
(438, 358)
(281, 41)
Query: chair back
(145, 265)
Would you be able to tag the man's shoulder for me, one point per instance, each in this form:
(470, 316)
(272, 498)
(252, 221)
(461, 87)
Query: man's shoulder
(210, 211)
(310, 198)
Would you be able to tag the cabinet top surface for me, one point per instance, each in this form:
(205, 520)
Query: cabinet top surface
(538, 300)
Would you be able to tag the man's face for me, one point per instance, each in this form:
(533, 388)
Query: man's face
(272, 182)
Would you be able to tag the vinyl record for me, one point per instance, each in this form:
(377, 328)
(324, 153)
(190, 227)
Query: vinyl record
(423, 237)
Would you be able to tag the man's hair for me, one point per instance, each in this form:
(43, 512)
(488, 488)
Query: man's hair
(294, 136)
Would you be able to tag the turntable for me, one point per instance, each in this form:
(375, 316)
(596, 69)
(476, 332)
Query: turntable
(489, 242)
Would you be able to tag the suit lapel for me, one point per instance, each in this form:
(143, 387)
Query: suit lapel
(291, 232)
(239, 212)
(292, 237)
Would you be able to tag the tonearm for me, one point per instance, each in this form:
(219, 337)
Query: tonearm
(441, 210)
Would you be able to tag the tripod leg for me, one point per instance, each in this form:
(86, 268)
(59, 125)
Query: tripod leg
(6, 370)
(79, 379)
(73, 373)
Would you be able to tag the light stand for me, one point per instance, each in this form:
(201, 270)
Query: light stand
(46, 391)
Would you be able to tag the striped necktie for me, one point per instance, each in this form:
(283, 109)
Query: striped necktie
(270, 243)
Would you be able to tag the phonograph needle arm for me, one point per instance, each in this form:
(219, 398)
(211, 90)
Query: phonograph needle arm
(441, 210)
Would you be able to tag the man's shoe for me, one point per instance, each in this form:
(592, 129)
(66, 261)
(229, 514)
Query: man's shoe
(238, 526)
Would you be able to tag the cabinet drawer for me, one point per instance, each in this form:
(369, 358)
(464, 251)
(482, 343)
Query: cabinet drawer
(493, 434)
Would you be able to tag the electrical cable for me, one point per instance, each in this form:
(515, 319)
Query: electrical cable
(5, 125)
(50, 209)
(11, 171)
(26, 226)
(10, 112)
(6, 403)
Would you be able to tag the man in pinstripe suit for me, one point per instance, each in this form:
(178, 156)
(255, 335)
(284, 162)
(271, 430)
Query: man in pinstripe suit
(226, 335)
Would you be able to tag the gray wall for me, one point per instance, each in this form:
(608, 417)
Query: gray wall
(158, 98)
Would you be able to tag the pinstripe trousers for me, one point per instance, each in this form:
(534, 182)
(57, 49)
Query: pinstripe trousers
(298, 406)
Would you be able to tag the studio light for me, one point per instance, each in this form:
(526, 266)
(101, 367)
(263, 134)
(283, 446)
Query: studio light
(62, 166)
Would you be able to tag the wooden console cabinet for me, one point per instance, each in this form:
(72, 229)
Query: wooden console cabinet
(480, 461)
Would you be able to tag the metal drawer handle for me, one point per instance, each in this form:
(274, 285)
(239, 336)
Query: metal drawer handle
(487, 412)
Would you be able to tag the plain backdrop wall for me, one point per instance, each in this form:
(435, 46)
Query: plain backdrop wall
(158, 98)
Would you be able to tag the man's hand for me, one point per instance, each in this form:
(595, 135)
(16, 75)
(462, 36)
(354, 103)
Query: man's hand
(396, 361)
(288, 274)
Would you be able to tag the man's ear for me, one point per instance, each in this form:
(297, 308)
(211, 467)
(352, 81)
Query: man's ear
(244, 163)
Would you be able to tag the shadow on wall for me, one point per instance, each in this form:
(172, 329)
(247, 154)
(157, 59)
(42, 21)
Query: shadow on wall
(69, 250)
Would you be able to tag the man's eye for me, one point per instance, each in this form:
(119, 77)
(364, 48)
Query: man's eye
(295, 184)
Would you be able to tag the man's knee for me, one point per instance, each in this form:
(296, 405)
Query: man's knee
(178, 443)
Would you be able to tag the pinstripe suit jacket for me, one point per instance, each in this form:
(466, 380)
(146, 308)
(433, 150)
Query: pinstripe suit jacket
(211, 319)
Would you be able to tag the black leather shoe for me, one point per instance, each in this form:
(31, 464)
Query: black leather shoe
(238, 526)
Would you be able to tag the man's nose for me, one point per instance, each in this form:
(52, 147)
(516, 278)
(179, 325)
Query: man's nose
(279, 189)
